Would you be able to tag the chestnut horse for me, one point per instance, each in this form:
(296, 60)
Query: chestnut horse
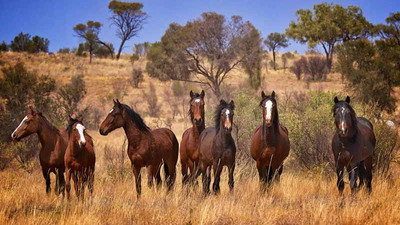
(217, 148)
(353, 146)
(270, 143)
(79, 159)
(146, 147)
(190, 138)
(53, 144)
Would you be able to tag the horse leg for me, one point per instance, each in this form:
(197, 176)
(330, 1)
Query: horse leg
(191, 167)
(340, 182)
(150, 176)
(262, 176)
(138, 180)
(185, 175)
(231, 182)
(361, 174)
(76, 183)
(270, 175)
(158, 176)
(353, 174)
(217, 168)
(91, 181)
(206, 178)
(46, 175)
(278, 174)
(68, 182)
(82, 184)
(170, 172)
(57, 186)
(368, 173)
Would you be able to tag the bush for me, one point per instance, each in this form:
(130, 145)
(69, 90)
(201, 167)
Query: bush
(316, 68)
(23, 43)
(136, 77)
(296, 68)
(70, 94)
(153, 106)
(64, 50)
(3, 47)
(79, 51)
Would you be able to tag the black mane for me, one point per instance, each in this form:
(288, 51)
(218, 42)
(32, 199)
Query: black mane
(136, 118)
(217, 115)
(347, 106)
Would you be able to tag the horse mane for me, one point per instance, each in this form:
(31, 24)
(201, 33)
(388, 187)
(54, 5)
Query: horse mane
(50, 125)
(276, 117)
(196, 95)
(71, 123)
(348, 106)
(217, 115)
(136, 118)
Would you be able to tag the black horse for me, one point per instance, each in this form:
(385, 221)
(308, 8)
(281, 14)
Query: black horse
(217, 148)
(353, 146)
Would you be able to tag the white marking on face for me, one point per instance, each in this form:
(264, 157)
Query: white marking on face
(197, 100)
(342, 117)
(268, 108)
(111, 110)
(227, 112)
(25, 118)
(80, 129)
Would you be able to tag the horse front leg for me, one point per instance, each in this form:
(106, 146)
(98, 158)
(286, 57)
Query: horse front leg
(217, 168)
(368, 173)
(46, 175)
(353, 174)
(206, 179)
(231, 182)
(262, 176)
(150, 176)
(68, 182)
(340, 182)
(361, 174)
(138, 180)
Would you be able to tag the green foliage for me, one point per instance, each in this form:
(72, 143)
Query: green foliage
(64, 50)
(24, 43)
(4, 47)
(90, 33)
(81, 48)
(327, 25)
(371, 70)
(103, 51)
(253, 64)
(274, 41)
(70, 94)
(192, 51)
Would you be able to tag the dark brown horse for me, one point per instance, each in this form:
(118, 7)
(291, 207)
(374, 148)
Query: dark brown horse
(217, 148)
(270, 143)
(146, 147)
(353, 146)
(53, 144)
(79, 159)
(190, 138)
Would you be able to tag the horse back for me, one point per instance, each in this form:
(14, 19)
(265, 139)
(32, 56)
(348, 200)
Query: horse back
(166, 143)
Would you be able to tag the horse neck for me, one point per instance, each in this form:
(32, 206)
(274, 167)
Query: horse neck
(48, 135)
(133, 134)
(74, 146)
(269, 133)
(353, 134)
(224, 136)
(198, 128)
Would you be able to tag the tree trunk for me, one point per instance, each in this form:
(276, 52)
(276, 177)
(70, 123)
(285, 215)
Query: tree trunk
(120, 48)
(273, 55)
(217, 90)
(90, 55)
(329, 61)
(109, 49)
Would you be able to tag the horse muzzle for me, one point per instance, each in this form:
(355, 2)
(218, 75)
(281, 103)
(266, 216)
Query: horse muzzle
(104, 133)
(197, 121)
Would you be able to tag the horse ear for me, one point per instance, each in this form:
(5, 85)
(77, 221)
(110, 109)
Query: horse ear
(336, 100)
(202, 94)
(222, 102)
(191, 94)
(115, 103)
(118, 103)
(70, 118)
(232, 104)
(262, 94)
(348, 99)
(80, 118)
(273, 94)
(32, 112)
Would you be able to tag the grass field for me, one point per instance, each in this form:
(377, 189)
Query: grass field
(300, 197)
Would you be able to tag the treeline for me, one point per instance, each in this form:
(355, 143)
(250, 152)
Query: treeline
(25, 43)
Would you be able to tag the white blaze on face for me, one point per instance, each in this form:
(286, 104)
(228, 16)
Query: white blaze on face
(268, 108)
(111, 110)
(227, 113)
(197, 100)
(25, 118)
(80, 129)
(343, 119)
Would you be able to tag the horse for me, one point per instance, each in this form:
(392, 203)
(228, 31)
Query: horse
(189, 150)
(353, 146)
(79, 159)
(146, 147)
(217, 148)
(270, 143)
(53, 144)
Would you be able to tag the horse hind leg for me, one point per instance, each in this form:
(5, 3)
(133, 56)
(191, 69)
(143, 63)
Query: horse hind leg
(170, 174)
(206, 179)
(361, 174)
(353, 174)
(368, 173)
(278, 174)
(138, 180)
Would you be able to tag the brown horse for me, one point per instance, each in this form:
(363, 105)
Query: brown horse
(146, 147)
(270, 143)
(190, 138)
(353, 146)
(79, 159)
(217, 148)
(53, 144)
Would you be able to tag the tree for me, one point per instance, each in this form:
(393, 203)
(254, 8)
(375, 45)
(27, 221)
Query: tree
(40, 44)
(372, 69)
(204, 51)
(21, 42)
(328, 25)
(89, 32)
(275, 41)
(129, 18)
(3, 47)
(70, 94)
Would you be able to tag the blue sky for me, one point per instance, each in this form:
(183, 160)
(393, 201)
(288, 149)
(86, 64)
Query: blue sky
(54, 19)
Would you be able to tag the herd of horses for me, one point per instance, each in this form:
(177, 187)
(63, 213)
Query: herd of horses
(202, 150)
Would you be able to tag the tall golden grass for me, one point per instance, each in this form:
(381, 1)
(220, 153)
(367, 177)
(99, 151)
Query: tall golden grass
(300, 198)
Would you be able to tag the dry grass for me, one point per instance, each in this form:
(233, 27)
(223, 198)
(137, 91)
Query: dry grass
(299, 199)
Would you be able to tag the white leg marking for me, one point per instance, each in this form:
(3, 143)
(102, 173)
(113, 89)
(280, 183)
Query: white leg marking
(12, 135)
